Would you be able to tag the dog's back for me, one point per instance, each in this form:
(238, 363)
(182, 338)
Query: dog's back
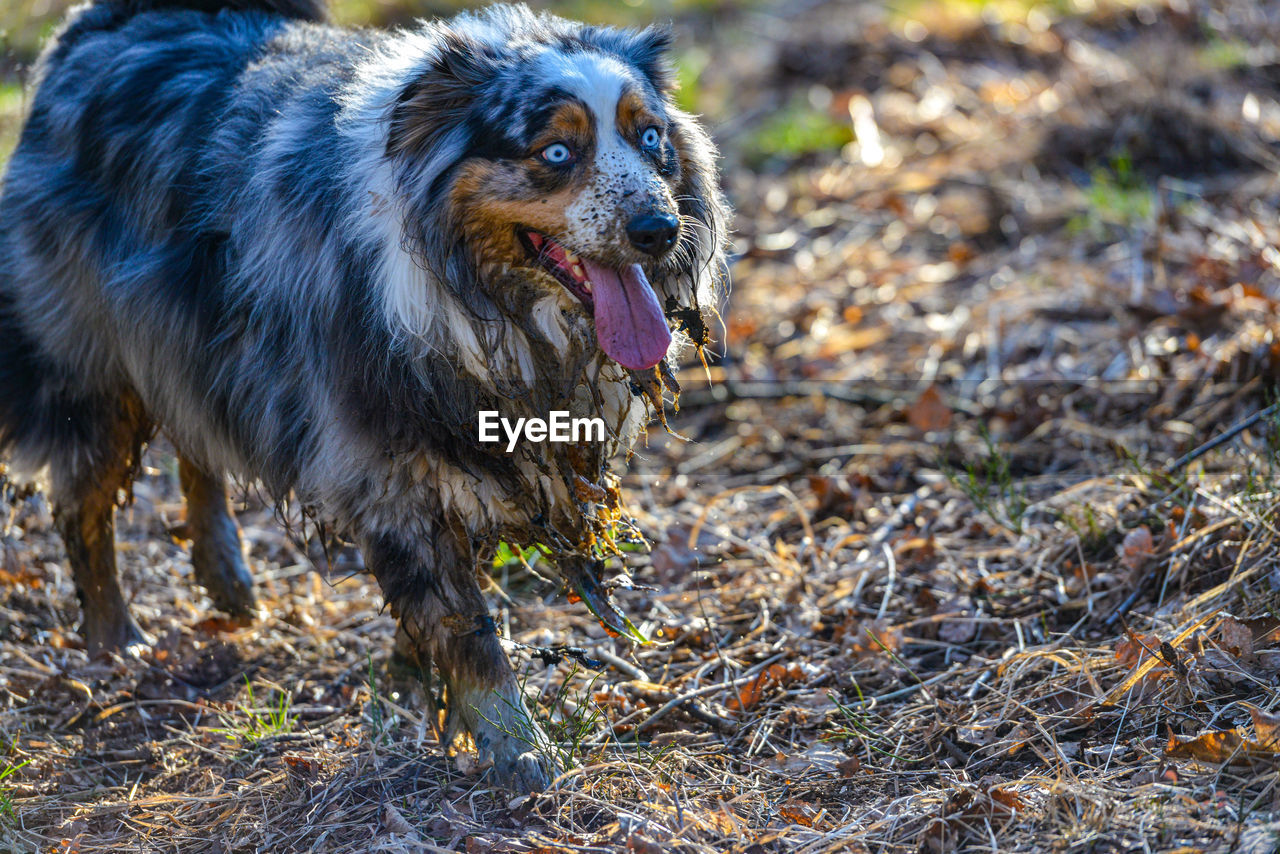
(118, 208)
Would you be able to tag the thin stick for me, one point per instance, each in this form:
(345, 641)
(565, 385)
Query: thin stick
(888, 587)
(1232, 431)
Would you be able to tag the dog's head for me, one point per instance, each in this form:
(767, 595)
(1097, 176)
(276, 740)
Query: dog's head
(551, 148)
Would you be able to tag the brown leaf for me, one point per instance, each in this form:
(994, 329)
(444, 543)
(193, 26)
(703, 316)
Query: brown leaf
(1137, 547)
(1137, 648)
(1266, 631)
(642, 845)
(916, 548)
(850, 766)
(963, 628)
(1266, 726)
(1215, 746)
(868, 637)
(775, 675)
(1236, 638)
(221, 625)
(960, 253)
(929, 414)
(301, 765)
(1009, 799)
(1219, 746)
(672, 559)
(834, 494)
(799, 812)
(394, 822)
(968, 811)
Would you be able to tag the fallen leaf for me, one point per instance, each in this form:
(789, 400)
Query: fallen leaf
(1266, 631)
(395, 822)
(799, 812)
(867, 637)
(963, 628)
(849, 767)
(301, 765)
(967, 811)
(221, 625)
(833, 495)
(775, 675)
(1138, 545)
(1236, 638)
(1218, 746)
(1010, 799)
(916, 548)
(642, 845)
(929, 414)
(960, 253)
(1137, 647)
(1265, 725)
(1220, 668)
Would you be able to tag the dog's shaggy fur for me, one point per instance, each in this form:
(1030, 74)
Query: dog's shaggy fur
(310, 256)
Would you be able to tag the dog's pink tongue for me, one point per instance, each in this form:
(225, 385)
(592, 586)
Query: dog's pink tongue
(629, 322)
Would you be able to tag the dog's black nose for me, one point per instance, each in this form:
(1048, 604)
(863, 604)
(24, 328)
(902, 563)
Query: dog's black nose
(653, 234)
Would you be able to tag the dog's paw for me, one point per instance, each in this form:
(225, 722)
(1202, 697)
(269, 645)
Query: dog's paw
(521, 754)
(527, 773)
(219, 566)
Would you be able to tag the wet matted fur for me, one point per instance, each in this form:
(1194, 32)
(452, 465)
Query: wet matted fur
(311, 256)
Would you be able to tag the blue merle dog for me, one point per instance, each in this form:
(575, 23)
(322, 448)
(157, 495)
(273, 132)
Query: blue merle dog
(310, 256)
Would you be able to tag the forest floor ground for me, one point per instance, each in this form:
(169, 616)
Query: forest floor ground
(927, 573)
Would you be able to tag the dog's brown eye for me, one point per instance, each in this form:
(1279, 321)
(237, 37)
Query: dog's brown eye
(557, 154)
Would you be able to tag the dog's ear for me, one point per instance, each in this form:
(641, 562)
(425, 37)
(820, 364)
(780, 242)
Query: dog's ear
(701, 201)
(644, 49)
(436, 99)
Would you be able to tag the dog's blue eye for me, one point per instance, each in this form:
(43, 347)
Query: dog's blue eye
(557, 153)
(650, 138)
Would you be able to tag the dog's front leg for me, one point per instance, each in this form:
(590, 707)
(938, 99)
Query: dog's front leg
(217, 555)
(430, 584)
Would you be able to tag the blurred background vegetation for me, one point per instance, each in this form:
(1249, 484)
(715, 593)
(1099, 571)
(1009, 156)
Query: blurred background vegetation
(803, 123)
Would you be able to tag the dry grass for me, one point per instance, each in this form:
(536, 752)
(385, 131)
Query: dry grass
(923, 581)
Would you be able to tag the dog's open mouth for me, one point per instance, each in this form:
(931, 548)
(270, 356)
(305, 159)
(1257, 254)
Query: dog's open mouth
(630, 325)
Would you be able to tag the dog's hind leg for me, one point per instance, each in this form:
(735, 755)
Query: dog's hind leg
(217, 554)
(85, 481)
(430, 584)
